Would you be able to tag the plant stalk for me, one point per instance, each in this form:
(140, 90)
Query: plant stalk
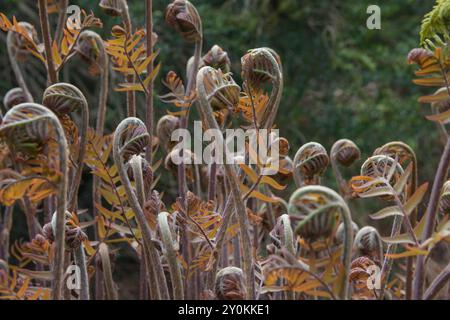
(430, 216)
(43, 17)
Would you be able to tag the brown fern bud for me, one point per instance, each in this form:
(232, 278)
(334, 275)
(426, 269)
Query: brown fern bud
(222, 91)
(359, 272)
(91, 49)
(164, 129)
(368, 242)
(188, 158)
(184, 18)
(419, 56)
(153, 206)
(74, 234)
(111, 7)
(444, 202)
(217, 58)
(147, 172)
(379, 166)
(118, 31)
(63, 98)
(47, 232)
(311, 160)
(20, 43)
(134, 141)
(257, 68)
(346, 152)
(229, 284)
(14, 97)
(75, 237)
(321, 226)
(285, 172)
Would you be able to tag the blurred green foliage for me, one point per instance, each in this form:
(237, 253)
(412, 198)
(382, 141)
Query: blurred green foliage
(342, 80)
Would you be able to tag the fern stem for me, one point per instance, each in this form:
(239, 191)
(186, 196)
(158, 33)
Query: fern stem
(80, 261)
(111, 292)
(5, 233)
(43, 17)
(62, 18)
(99, 128)
(171, 256)
(430, 216)
(277, 91)
(182, 184)
(16, 69)
(347, 221)
(235, 190)
(153, 257)
(73, 205)
(438, 284)
(149, 122)
(131, 96)
(152, 284)
(60, 209)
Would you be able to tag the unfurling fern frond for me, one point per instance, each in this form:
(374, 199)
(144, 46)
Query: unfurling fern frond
(436, 22)
(19, 287)
(128, 54)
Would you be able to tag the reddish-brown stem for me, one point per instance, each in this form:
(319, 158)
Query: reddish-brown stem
(149, 97)
(43, 16)
(438, 284)
(430, 216)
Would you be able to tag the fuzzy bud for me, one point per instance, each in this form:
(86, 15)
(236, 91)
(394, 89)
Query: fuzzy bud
(184, 18)
(229, 284)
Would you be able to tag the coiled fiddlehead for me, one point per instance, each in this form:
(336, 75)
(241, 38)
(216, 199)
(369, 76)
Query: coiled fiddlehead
(14, 97)
(404, 153)
(217, 58)
(382, 166)
(64, 98)
(16, 45)
(368, 243)
(164, 128)
(74, 238)
(231, 174)
(444, 201)
(329, 203)
(131, 138)
(222, 92)
(310, 162)
(111, 292)
(171, 256)
(90, 47)
(229, 284)
(34, 120)
(344, 152)
(184, 18)
(260, 66)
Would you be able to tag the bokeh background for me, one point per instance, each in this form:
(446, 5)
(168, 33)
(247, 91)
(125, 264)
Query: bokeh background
(341, 79)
